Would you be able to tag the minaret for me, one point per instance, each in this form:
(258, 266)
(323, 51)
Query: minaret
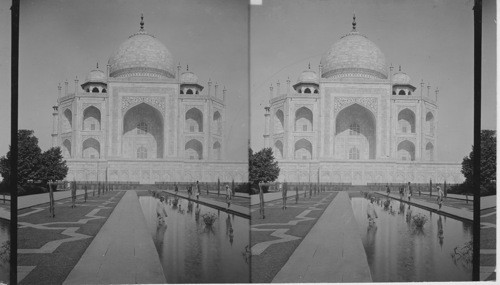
(59, 91)
(288, 85)
(224, 94)
(66, 87)
(76, 83)
(209, 86)
(267, 119)
(390, 72)
(437, 92)
(278, 88)
(421, 88)
(55, 117)
(428, 89)
(216, 86)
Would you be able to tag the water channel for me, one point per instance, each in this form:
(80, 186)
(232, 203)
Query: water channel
(398, 251)
(190, 251)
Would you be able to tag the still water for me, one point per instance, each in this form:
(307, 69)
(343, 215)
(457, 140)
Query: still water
(4, 250)
(190, 251)
(398, 251)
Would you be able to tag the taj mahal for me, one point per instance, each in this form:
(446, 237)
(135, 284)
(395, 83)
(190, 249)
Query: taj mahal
(143, 120)
(355, 120)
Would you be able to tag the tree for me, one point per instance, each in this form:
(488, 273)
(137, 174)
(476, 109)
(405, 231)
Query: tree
(488, 162)
(32, 164)
(262, 166)
(28, 158)
(53, 166)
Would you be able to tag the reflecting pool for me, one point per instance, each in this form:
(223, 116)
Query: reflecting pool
(399, 251)
(192, 252)
(4, 250)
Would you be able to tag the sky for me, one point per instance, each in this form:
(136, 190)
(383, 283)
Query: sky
(431, 40)
(63, 39)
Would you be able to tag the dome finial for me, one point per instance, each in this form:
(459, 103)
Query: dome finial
(97, 65)
(187, 67)
(309, 66)
(354, 21)
(400, 67)
(142, 22)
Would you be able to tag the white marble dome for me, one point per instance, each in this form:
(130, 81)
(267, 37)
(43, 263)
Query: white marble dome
(142, 55)
(354, 55)
(401, 78)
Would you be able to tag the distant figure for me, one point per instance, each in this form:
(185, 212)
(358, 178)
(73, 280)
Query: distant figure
(401, 192)
(409, 191)
(371, 214)
(161, 213)
(440, 197)
(190, 190)
(176, 188)
(228, 196)
(284, 193)
(387, 189)
(198, 191)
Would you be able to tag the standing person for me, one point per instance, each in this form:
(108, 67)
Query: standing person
(176, 188)
(284, 191)
(409, 191)
(440, 197)
(198, 191)
(387, 189)
(228, 196)
(401, 192)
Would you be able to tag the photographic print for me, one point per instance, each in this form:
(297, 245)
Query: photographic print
(367, 108)
(137, 113)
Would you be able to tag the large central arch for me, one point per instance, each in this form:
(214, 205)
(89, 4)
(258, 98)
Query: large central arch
(142, 127)
(355, 127)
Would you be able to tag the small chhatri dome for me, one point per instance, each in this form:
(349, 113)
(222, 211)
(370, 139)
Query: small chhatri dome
(142, 55)
(401, 78)
(308, 76)
(354, 55)
(189, 77)
(96, 75)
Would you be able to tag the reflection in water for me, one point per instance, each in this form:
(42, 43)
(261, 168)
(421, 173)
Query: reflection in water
(190, 251)
(399, 252)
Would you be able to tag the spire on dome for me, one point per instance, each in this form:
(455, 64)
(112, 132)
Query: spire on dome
(187, 67)
(142, 22)
(354, 21)
(399, 67)
(97, 65)
(309, 66)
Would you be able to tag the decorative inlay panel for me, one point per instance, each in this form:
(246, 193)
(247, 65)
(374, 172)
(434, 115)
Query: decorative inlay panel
(131, 101)
(86, 105)
(85, 137)
(411, 139)
(368, 102)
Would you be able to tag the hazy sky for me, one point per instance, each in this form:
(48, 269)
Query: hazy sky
(63, 39)
(432, 40)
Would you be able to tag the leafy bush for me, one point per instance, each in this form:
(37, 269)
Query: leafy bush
(209, 218)
(419, 220)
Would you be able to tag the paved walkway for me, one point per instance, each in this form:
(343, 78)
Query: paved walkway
(271, 196)
(27, 201)
(234, 209)
(488, 245)
(122, 252)
(331, 252)
(450, 211)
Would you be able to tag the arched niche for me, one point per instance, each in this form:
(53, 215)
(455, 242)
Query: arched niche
(135, 136)
(194, 120)
(66, 148)
(406, 121)
(216, 150)
(278, 149)
(67, 123)
(406, 151)
(194, 150)
(303, 149)
(279, 121)
(429, 123)
(91, 119)
(303, 120)
(429, 151)
(355, 126)
(91, 149)
(217, 123)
